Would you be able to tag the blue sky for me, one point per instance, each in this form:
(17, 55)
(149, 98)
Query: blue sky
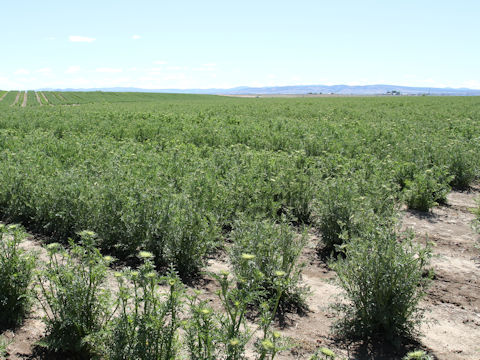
(205, 44)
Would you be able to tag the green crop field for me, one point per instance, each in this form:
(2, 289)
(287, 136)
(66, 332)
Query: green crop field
(135, 168)
(182, 176)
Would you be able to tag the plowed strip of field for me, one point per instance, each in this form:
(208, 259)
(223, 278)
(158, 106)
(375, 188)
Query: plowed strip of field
(44, 97)
(1, 98)
(38, 98)
(24, 103)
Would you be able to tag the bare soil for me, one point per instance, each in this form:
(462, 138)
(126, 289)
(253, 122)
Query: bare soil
(452, 329)
(1, 97)
(44, 97)
(38, 98)
(24, 103)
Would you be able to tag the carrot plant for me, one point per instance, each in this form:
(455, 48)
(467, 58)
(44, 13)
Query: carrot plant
(72, 293)
(16, 275)
(265, 252)
(148, 321)
(382, 275)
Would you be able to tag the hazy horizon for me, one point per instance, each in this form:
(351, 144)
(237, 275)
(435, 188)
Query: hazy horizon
(216, 44)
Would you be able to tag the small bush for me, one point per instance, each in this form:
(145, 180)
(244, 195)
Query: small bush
(72, 294)
(427, 189)
(382, 275)
(15, 276)
(462, 167)
(148, 320)
(183, 236)
(261, 251)
(337, 211)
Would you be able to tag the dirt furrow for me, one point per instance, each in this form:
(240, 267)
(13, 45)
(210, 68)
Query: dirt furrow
(38, 98)
(24, 103)
(44, 97)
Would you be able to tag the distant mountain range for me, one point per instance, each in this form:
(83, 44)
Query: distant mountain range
(301, 90)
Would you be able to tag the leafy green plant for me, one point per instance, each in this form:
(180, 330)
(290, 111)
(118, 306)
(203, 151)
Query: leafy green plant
(323, 353)
(462, 167)
(271, 342)
(417, 355)
(16, 273)
(476, 223)
(3, 348)
(148, 321)
(202, 329)
(73, 296)
(261, 250)
(382, 275)
(427, 189)
(183, 236)
(234, 331)
(339, 211)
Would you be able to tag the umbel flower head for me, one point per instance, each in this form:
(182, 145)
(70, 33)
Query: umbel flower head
(248, 256)
(145, 255)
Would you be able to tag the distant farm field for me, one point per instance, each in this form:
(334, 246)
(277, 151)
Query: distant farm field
(181, 175)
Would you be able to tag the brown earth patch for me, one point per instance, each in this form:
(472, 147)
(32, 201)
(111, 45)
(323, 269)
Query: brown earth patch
(38, 98)
(24, 103)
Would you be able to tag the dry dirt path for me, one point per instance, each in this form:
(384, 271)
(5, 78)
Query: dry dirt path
(44, 97)
(453, 300)
(38, 98)
(24, 103)
(1, 97)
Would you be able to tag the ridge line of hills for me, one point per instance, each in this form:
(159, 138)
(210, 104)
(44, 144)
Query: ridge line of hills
(299, 90)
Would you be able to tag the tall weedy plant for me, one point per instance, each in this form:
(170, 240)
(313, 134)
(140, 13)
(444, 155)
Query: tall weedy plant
(148, 321)
(382, 275)
(263, 249)
(16, 272)
(73, 295)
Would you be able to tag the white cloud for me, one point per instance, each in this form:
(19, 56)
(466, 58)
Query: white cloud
(160, 62)
(210, 65)
(174, 68)
(72, 70)
(75, 38)
(108, 70)
(22, 72)
(136, 37)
